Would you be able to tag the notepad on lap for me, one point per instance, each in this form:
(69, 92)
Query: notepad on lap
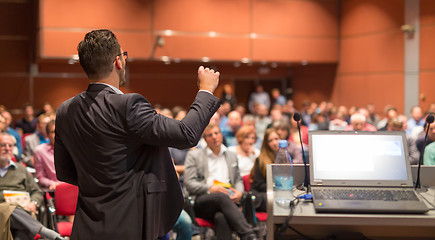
(20, 197)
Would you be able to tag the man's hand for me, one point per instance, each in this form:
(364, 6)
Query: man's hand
(217, 189)
(31, 207)
(52, 187)
(208, 79)
(236, 196)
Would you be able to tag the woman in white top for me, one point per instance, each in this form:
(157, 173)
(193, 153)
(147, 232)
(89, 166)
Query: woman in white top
(246, 152)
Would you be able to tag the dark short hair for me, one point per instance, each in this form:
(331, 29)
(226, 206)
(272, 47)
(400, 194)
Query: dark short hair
(97, 51)
(49, 125)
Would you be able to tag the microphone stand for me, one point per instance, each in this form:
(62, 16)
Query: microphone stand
(304, 158)
(429, 120)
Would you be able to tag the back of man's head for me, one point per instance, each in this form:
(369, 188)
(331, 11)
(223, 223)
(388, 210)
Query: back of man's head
(97, 51)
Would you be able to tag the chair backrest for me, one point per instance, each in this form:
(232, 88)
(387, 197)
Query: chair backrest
(246, 182)
(65, 199)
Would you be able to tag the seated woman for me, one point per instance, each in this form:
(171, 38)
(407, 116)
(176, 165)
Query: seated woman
(245, 150)
(268, 151)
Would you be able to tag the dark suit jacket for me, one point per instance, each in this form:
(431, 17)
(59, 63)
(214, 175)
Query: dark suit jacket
(114, 147)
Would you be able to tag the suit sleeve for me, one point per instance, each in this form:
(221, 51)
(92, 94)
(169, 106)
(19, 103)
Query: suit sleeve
(154, 129)
(64, 165)
(33, 189)
(194, 183)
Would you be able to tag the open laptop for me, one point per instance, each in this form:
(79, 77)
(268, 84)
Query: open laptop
(347, 167)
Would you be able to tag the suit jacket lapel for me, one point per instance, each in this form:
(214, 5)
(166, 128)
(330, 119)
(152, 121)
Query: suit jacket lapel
(205, 163)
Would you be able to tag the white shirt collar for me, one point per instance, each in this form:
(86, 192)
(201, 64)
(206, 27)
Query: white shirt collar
(221, 152)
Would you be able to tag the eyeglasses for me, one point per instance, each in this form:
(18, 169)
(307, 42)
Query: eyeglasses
(6, 145)
(123, 54)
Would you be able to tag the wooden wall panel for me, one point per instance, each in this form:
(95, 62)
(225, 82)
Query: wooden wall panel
(63, 44)
(371, 54)
(95, 14)
(361, 89)
(223, 16)
(427, 88)
(371, 16)
(197, 47)
(17, 92)
(295, 49)
(427, 53)
(295, 18)
(191, 21)
(313, 83)
(57, 90)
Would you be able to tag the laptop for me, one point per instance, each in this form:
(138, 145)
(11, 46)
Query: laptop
(362, 172)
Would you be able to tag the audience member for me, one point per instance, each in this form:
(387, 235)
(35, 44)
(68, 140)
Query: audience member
(43, 157)
(228, 95)
(396, 124)
(277, 98)
(390, 113)
(223, 111)
(262, 120)
(245, 150)
(358, 123)
(8, 117)
(258, 97)
(241, 109)
(339, 121)
(372, 118)
(230, 129)
(306, 111)
(429, 154)
(269, 148)
(318, 122)
(179, 112)
(215, 202)
(430, 137)
(14, 177)
(47, 109)
(35, 139)
(416, 120)
(283, 129)
(27, 124)
(166, 112)
(294, 134)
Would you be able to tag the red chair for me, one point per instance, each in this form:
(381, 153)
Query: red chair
(261, 216)
(65, 201)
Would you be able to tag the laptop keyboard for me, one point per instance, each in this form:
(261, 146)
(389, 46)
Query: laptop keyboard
(365, 194)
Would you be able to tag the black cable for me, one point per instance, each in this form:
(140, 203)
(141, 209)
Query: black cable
(286, 225)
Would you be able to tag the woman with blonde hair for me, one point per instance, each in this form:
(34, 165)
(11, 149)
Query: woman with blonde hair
(245, 150)
(268, 151)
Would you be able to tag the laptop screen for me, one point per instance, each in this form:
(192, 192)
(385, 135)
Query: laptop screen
(359, 158)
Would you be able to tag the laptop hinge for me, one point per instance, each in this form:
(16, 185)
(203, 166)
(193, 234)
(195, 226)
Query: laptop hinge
(404, 185)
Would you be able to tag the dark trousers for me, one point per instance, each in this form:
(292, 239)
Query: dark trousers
(220, 209)
(23, 226)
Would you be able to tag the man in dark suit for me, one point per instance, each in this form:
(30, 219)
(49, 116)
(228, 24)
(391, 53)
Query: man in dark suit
(114, 147)
(217, 202)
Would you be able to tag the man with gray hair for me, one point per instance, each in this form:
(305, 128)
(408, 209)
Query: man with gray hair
(358, 122)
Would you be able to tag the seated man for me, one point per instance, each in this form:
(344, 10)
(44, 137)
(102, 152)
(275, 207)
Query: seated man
(230, 129)
(14, 176)
(214, 202)
(35, 139)
(44, 161)
(358, 122)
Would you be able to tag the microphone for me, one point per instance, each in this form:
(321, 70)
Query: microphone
(429, 120)
(297, 117)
